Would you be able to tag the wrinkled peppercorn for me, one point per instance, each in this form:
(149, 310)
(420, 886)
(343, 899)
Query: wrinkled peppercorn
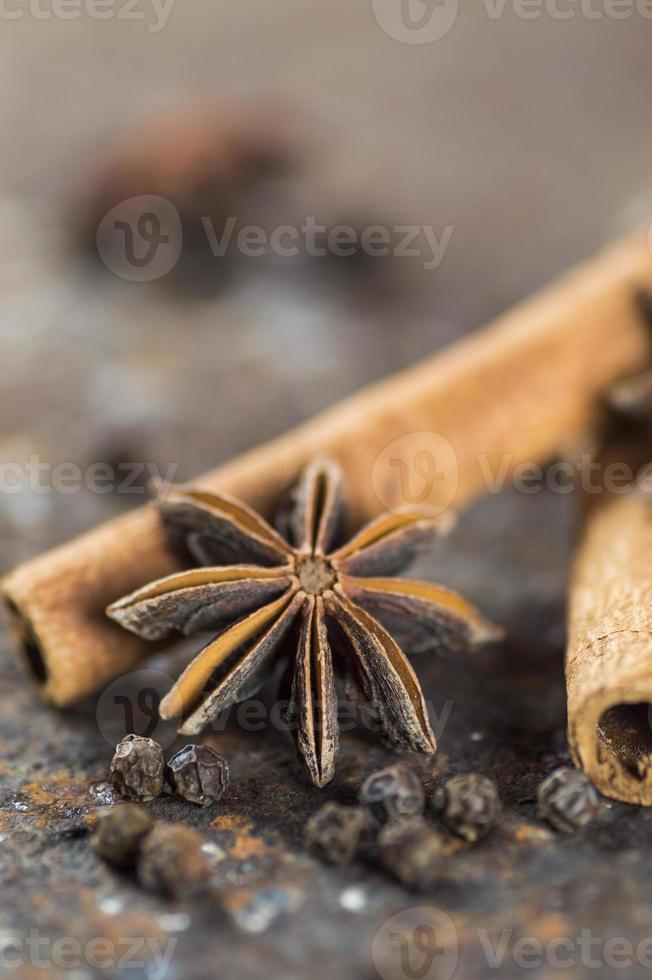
(172, 861)
(393, 793)
(468, 805)
(567, 799)
(137, 768)
(119, 831)
(337, 831)
(198, 774)
(411, 850)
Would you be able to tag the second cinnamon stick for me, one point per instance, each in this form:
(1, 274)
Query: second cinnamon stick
(609, 656)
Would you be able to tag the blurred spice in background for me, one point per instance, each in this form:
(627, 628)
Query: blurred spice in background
(212, 163)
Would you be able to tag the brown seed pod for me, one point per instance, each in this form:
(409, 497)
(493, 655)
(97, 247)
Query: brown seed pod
(567, 799)
(119, 831)
(393, 793)
(468, 805)
(172, 861)
(198, 774)
(336, 832)
(137, 768)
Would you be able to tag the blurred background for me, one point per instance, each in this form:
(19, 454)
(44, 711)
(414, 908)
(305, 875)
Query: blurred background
(518, 136)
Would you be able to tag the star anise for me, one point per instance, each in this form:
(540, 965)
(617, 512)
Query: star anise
(331, 609)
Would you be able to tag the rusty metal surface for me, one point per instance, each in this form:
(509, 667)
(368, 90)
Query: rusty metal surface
(514, 132)
(278, 911)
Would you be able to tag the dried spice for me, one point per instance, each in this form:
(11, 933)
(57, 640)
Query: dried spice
(337, 832)
(137, 768)
(198, 774)
(468, 805)
(172, 861)
(567, 799)
(393, 793)
(210, 162)
(119, 831)
(412, 851)
(332, 603)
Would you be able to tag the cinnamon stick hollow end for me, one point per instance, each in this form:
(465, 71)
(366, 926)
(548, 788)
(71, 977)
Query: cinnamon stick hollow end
(609, 660)
(73, 652)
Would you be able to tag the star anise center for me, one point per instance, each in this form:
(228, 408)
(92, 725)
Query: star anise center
(316, 575)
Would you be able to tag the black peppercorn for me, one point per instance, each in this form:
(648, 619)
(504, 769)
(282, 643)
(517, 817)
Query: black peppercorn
(567, 799)
(137, 768)
(337, 831)
(172, 861)
(118, 833)
(393, 793)
(198, 774)
(411, 850)
(468, 805)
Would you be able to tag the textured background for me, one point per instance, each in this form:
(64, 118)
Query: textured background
(532, 139)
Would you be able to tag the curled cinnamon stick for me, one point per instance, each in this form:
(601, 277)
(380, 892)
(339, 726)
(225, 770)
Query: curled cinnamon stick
(609, 655)
(513, 392)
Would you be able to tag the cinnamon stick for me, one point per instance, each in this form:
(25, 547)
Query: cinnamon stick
(609, 655)
(513, 392)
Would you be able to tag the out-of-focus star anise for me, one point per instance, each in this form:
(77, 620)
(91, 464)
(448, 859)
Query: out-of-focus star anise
(330, 608)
